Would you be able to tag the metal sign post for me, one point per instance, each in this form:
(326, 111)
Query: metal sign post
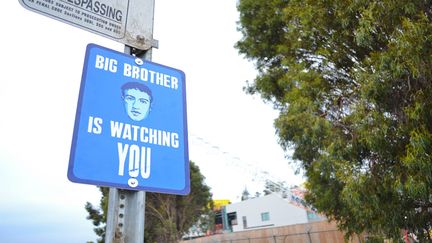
(125, 221)
(126, 208)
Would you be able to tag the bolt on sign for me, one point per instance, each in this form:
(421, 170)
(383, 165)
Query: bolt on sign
(126, 21)
(130, 127)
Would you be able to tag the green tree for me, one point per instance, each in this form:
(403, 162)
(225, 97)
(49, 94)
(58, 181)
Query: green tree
(352, 82)
(98, 216)
(167, 217)
(245, 195)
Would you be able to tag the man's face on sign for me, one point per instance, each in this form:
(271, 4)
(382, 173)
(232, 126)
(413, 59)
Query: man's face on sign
(137, 104)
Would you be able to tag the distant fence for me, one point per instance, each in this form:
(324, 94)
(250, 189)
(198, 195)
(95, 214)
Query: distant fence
(317, 232)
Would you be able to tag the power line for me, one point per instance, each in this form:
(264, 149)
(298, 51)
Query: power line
(231, 160)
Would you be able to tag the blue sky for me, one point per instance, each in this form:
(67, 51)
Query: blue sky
(38, 223)
(231, 134)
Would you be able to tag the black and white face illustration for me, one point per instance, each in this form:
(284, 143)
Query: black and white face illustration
(137, 100)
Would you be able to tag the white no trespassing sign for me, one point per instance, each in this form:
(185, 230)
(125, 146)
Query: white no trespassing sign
(127, 21)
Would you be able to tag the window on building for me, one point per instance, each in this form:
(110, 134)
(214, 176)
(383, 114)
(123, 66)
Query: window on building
(311, 216)
(232, 218)
(265, 216)
(218, 218)
(244, 222)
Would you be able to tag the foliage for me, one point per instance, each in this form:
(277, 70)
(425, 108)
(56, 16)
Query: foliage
(98, 215)
(245, 195)
(352, 82)
(172, 215)
(167, 217)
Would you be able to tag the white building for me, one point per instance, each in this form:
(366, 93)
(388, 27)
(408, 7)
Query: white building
(271, 210)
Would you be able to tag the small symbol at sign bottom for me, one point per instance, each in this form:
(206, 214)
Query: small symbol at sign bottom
(132, 182)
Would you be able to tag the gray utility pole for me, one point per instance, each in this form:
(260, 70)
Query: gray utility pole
(126, 208)
(125, 221)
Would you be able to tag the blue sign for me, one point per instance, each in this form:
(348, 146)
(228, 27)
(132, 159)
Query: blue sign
(130, 127)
